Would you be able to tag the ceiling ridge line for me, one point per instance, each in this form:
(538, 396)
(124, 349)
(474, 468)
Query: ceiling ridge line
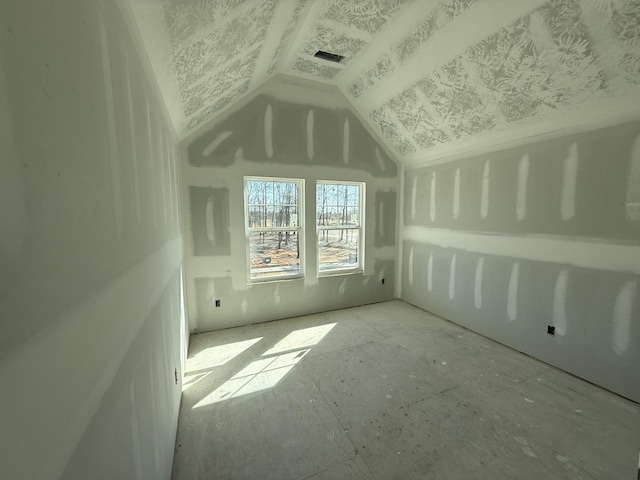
(312, 12)
(281, 16)
(414, 68)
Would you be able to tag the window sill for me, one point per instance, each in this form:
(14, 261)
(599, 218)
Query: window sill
(260, 281)
(339, 273)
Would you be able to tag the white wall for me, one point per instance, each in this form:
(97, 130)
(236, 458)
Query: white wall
(546, 233)
(90, 249)
(290, 131)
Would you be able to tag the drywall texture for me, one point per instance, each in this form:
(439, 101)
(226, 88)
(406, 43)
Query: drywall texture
(425, 75)
(274, 138)
(511, 242)
(90, 256)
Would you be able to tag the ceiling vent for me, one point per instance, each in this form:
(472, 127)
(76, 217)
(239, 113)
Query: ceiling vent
(331, 57)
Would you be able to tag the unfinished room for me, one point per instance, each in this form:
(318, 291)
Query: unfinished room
(321, 239)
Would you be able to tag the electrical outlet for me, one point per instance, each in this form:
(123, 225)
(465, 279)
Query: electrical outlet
(217, 303)
(383, 281)
(551, 330)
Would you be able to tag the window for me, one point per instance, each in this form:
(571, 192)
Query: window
(274, 227)
(339, 223)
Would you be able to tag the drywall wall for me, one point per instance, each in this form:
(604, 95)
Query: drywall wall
(90, 249)
(313, 139)
(511, 242)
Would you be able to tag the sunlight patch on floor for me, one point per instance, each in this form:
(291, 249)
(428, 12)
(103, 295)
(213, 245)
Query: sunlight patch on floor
(268, 370)
(219, 355)
(306, 337)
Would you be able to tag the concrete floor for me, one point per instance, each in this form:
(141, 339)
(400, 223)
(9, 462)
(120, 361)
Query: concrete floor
(389, 391)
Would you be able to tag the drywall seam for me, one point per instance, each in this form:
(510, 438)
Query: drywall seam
(268, 131)
(452, 278)
(380, 160)
(523, 180)
(410, 17)
(36, 420)
(512, 293)
(134, 153)
(569, 180)
(431, 111)
(429, 272)
(163, 182)
(432, 197)
(370, 127)
(114, 161)
(135, 431)
(559, 312)
(477, 286)
(310, 133)
(414, 194)
(345, 141)
(621, 319)
(400, 207)
(632, 206)
(478, 22)
(12, 187)
(152, 177)
(562, 250)
(215, 143)
(486, 183)
(381, 219)
(170, 93)
(456, 194)
(410, 267)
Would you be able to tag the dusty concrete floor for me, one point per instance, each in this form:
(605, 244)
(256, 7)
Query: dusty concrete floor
(388, 391)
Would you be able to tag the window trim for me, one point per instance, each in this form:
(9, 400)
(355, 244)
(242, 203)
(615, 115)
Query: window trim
(359, 267)
(300, 229)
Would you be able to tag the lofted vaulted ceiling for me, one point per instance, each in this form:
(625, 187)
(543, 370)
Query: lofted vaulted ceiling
(426, 75)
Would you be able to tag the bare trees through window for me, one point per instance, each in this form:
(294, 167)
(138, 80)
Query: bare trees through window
(274, 209)
(273, 225)
(339, 225)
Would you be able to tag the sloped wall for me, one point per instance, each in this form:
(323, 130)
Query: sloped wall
(91, 250)
(275, 138)
(511, 242)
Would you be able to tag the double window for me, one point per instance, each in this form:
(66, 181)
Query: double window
(275, 227)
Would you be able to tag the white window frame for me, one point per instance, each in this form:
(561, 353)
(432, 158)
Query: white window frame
(359, 265)
(299, 229)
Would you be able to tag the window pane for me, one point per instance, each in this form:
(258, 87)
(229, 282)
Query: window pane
(337, 204)
(272, 204)
(274, 254)
(338, 249)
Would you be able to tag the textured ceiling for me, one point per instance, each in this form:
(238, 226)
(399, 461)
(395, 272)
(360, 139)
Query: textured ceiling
(426, 75)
